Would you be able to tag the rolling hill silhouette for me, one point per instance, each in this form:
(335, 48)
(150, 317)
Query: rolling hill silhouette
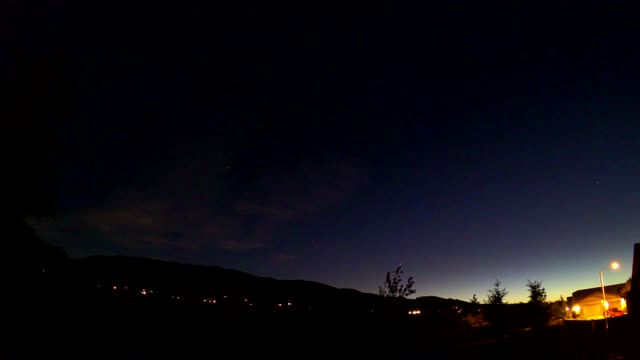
(195, 283)
(167, 281)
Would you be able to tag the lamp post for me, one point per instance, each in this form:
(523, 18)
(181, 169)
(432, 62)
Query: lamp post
(614, 266)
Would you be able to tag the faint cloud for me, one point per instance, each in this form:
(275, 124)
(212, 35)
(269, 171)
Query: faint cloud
(275, 212)
(284, 257)
(182, 220)
(240, 245)
(129, 216)
(286, 197)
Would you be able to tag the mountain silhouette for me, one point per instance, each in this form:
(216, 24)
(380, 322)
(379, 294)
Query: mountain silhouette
(136, 278)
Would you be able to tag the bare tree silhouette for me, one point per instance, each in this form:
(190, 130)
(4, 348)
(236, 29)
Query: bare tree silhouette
(393, 287)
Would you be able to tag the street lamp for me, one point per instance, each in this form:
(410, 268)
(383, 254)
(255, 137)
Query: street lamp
(614, 266)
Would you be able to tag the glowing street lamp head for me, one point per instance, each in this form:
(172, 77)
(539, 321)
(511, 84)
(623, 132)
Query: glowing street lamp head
(615, 265)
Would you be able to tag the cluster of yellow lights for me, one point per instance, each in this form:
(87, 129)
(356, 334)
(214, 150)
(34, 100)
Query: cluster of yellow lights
(414, 312)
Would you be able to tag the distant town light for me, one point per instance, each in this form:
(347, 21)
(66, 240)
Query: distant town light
(143, 292)
(115, 287)
(289, 304)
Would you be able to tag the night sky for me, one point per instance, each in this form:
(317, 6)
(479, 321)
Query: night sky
(304, 141)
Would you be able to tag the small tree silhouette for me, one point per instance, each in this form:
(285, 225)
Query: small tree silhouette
(495, 313)
(393, 287)
(474, 300)
(557, 310)
(537, 294)
(474, 304)
(539, 312)
(496, 295)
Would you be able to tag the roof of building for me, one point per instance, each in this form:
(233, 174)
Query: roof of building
(609, 290)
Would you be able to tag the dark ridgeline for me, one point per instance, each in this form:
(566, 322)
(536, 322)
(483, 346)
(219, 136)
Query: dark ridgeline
(131, 305)
(162, 282)
(113, 306)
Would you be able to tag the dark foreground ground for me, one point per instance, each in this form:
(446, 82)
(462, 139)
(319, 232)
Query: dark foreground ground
(65, 322)
(102, 331)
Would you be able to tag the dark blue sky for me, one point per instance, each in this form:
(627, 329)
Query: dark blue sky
(466, 142)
